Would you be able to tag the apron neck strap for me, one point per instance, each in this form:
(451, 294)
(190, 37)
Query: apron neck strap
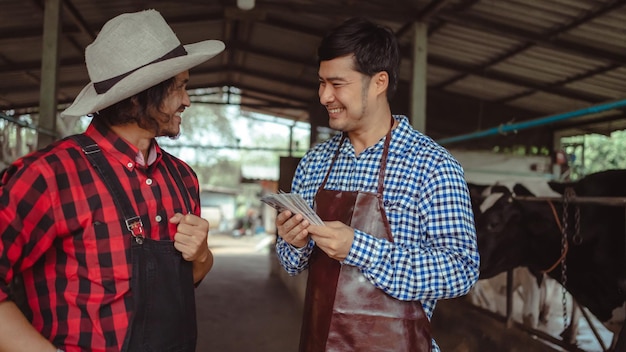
(383, 160)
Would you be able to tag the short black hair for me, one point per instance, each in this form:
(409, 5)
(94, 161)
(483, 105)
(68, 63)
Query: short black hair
(375, 48)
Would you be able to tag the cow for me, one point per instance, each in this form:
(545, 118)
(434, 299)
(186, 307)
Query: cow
(522, 233)
(533, 289)
(536, 295)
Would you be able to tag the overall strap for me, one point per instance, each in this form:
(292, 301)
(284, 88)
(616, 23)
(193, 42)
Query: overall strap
(167, 159)
(110, 179)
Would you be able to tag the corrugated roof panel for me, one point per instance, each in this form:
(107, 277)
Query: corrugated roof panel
(526, 71)
(548, 104)
(276, 87)
(546, 65)
(606, 32)
(436, 75)
(600, 90)
(200, 31)
(611, 84)
(531, 15)
(484, 88)
(16, 84)
(467, 45)
(561, 58)
(13, 50)
(294, 43)
(273, 65)
(20, 14)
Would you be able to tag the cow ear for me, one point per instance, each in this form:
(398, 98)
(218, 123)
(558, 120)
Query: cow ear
(559, 187)
(556, 186)
(521, 190)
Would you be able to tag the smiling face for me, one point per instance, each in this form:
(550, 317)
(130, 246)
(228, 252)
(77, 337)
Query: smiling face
(173, 105)
(346, 94)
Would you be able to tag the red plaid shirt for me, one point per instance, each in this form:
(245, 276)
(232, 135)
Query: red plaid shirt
(60, 230)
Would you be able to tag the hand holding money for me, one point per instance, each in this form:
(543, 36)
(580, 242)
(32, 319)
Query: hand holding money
(294, 203)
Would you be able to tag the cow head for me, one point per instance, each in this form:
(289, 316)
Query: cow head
(513, 233)
(496, 233)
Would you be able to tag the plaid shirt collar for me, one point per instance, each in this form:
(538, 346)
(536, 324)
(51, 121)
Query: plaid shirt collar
(399, 135)
(122, 151)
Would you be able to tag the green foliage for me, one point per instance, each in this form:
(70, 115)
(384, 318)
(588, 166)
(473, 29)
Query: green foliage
(224, 173)
(204, 123)
(593, 153)
(216, 140)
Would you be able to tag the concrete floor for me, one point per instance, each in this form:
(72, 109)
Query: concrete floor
(240, 306)
(246, 304)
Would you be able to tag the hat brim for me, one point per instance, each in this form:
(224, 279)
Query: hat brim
(88, 101)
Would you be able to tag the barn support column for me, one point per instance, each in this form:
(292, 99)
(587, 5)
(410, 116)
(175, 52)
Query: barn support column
(417, 99)
(49, 72)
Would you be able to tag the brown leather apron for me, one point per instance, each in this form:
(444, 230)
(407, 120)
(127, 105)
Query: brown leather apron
(343, 310)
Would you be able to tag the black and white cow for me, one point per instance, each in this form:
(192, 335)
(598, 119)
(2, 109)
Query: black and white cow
(514, 233)
(535, 290)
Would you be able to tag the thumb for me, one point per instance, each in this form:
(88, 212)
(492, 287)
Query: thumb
(176, 218)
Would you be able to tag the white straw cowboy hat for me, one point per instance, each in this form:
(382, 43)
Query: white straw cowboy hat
(133, 52)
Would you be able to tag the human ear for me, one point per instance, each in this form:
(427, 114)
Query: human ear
(381, 80)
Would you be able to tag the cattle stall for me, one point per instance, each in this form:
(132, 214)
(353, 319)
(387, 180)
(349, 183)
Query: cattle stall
(592, 244)
(577, 200)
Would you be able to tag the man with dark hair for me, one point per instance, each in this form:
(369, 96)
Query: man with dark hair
(101, 241)
(399, 231)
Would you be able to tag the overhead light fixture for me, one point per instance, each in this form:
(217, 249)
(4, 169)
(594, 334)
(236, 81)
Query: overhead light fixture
(245, 4)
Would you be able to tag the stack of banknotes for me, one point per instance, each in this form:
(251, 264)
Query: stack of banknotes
(294, 203)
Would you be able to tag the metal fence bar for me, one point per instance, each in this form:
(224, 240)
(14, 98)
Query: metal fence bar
(27, 125)
(610, 201)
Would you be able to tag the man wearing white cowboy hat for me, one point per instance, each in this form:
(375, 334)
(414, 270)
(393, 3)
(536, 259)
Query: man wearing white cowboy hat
(101, 242)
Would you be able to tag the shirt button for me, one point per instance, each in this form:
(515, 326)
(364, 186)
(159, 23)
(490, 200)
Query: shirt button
(129, 165)
(149, 181)
(158, 218)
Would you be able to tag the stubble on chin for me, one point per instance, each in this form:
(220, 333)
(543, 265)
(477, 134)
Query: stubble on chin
(174, 136)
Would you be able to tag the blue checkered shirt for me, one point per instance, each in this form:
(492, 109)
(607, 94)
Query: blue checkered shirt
(434, 254)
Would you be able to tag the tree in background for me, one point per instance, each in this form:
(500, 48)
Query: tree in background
(594, 152)
(217, 139)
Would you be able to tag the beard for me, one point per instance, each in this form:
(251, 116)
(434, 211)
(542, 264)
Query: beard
(173, 136)
(165, 127)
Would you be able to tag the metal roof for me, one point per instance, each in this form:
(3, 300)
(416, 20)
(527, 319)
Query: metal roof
(490, 62)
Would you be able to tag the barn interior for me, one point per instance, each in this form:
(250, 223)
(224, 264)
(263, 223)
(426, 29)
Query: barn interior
(475, 75)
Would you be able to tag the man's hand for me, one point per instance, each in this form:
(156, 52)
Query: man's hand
(335, 238)
(191, 236)
(293, 228)
(191, 240)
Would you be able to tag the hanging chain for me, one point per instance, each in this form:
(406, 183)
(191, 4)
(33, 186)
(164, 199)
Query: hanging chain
(569, 193)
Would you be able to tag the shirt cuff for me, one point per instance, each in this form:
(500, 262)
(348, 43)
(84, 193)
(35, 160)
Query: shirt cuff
(362, 250)
(301, 250)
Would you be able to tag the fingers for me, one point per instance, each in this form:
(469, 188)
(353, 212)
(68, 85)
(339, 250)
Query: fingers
(191, 235)
(334, 238)
(282, 217)
(292, 228)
